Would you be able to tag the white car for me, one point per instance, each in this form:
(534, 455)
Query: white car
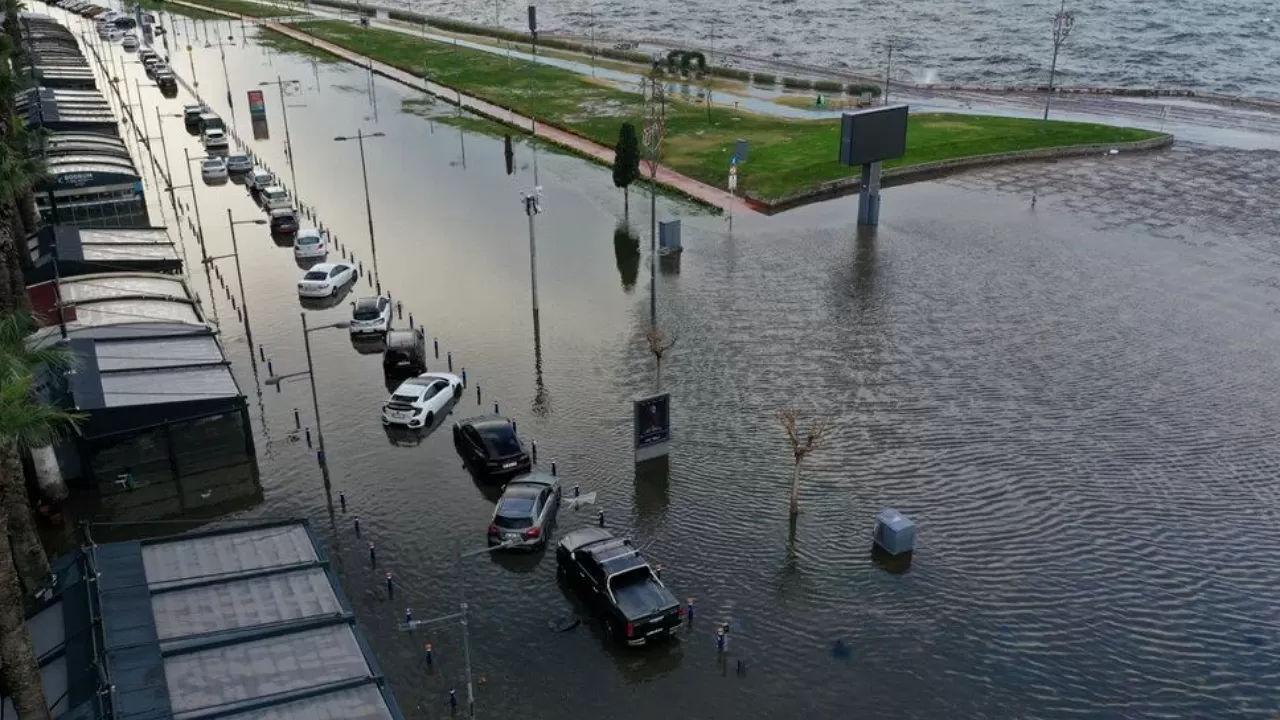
(371, 315)
(274, 198)
(215, 139)
(213, 169)
(309, 243)
(239, 164)
(419, 399)
(259, 178)
(129, 42)
(325, 280)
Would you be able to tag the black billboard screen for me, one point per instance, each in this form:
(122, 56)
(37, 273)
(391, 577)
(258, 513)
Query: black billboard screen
(869, 136)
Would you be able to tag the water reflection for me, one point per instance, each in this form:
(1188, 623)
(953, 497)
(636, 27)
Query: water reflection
(521, 562)
(652, 485)
(403, 436)
(327, 303)
(369, 345)
(626, 251)
(541, 400)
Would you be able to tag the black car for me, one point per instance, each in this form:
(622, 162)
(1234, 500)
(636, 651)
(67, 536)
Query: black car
(489, 445)
(616, 583)
(284, 223)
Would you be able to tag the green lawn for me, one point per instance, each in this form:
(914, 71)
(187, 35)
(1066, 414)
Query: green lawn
(193, 13)
(786, 156)
(243, 7)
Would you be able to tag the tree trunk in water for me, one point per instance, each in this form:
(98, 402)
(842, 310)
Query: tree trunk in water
(28, 553)
(658, 379)
(795, 491)
(19, 668)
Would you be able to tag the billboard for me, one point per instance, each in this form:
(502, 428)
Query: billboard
(875, 135)
(257, 104)
(652, 416)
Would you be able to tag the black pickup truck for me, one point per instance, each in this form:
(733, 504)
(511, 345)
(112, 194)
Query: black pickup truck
(618, 585)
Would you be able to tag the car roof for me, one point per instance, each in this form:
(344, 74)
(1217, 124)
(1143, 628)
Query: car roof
(260, 171)
(282, 212)
(481, 422)
(215, 160)
(274, 188)
(308, 232)
(409, 387)
(326, 267)
(536, 480)
(367, 302)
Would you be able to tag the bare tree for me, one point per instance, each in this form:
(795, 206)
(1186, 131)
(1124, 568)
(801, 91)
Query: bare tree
(802, 442)
(1063, 22)
(658, 345)
(655, 131)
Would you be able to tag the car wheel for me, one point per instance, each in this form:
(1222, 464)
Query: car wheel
(457, 391)
(428, 420)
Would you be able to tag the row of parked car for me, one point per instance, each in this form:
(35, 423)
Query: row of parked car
(609, 573)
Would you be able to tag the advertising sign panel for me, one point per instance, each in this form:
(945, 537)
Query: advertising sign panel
(652, 426)
(257, 104)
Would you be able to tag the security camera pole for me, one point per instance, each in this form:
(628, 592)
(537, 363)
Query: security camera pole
(533, 206)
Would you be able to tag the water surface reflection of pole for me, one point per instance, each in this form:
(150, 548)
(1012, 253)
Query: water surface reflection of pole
(288, 142)
(359, 137)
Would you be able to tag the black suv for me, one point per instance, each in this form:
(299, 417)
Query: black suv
(489, 445)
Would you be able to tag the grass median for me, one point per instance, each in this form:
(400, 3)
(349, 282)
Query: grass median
(242, 7)
(787, 155)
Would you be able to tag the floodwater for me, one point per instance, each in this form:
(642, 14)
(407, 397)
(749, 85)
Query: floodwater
(1079, 419)
(1223, 46)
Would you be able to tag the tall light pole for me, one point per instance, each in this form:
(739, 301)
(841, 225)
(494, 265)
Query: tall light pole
(533, 206)
(1063, 22)
(195, 202)
(311, 376)
(168, 170)
(288, 143)
(235, 253)
(359, 137)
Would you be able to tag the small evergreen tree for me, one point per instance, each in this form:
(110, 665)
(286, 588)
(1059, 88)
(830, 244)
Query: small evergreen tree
(626, 164)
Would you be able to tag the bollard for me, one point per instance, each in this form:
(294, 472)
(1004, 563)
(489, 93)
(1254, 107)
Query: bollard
(742, 667)
(360, 265)
(478, 393)
(408, 616)
(553, 468)
(356, 520)
(297, 419)
(600, 517)
(690, 609)
(453, 699)
(722, 641)
(390, 588)
(399, 310)
(577, 491)
(533, 447)
(464, 377)
(262, 353)
(495, 409)
(373, 555)
(657, 571)
(513, 422)
(342, 498)
(435, 342)
(308, 431)
(430, 659)
(272, 373)
(450, 356)
(369, 277)
(410, 321)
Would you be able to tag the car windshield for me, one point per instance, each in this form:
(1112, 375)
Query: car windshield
(500, 440)
(308, 240)
(316, 275)
(238, 159)
(365, 310)
(212, 164)
(515, 513)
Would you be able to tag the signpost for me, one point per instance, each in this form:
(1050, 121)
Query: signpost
(257, 104)
(867, 138)
(652, 416)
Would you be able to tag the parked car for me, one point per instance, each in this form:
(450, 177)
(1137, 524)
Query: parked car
(490, 446)
(309, 243)
(210, 121)
(404, 351)
(284, 222)
(525, 514)
(325, 280)
(213, 170)
(167, 82)
(259, 179)
(146, 54)
(418, 400)
(613, 579)
(214, 139)
(129, 42)
(191, 114)
(273, 198)
(371, 315)
(239, 163)
(150, 64)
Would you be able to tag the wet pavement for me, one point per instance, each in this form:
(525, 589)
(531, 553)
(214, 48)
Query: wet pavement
(1070, 399)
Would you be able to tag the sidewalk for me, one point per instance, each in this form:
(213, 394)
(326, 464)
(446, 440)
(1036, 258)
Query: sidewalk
(666, 177)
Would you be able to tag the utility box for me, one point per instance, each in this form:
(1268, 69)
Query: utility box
(740, 150)
(669, 237)
(895, 533)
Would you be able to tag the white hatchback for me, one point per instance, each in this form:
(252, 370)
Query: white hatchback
(418, 400)
(371, 315)
(215, 139)
(309, 243)
(325, 280)
(274, 198)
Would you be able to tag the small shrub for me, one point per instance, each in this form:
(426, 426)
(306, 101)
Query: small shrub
(828, 86)
(764, 79)
(731, 73)
(859, 88)
(797, 83)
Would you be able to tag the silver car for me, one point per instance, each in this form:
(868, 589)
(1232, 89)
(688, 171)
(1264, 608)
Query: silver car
(526, 511)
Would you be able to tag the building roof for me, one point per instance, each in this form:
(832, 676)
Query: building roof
(138, 303)
(93, 251)
(238, 623)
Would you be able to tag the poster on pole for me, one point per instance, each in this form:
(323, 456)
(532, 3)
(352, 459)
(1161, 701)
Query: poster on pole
(652, 416)
(257, 104)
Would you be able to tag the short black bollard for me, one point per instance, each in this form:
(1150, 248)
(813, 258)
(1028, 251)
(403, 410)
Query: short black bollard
(690, 609)
(478, 394)
(360, 265)
(600, 517)
(453, 700)
(272, 372)
(262, 353)
(308, 431)
(342, 500)
(553, 468)
(577, 491)
(533, 447)
(495, 408)
(390, 588)
(513, 422)
(297, 419)
(356, 523)
(373, 555)
(399, 310)
(435, 342)
(450, 355)
(410, 321)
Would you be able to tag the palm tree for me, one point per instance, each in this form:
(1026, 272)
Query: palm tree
(26, 424)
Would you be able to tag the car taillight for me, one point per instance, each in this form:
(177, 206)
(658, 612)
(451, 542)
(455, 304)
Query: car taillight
(631, 629)
(533, 532)
(679, 611)
(493, 529)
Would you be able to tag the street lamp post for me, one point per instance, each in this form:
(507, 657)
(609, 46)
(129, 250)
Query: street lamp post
(195, 202)
(235, 253)
(532, 207)
(359, 137)
(284, 112)
(311, 375)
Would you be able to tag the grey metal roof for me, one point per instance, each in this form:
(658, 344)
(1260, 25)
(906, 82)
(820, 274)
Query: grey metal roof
(90, 288)
(143, 353)
(149, 387)
(247, 622)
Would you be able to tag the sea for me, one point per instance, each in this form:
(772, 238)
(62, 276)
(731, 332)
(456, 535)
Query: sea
(1220, 46)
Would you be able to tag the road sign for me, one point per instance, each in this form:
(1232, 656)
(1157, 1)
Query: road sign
(733, 175)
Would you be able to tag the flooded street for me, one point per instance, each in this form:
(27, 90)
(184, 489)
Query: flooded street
(1072, 396)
